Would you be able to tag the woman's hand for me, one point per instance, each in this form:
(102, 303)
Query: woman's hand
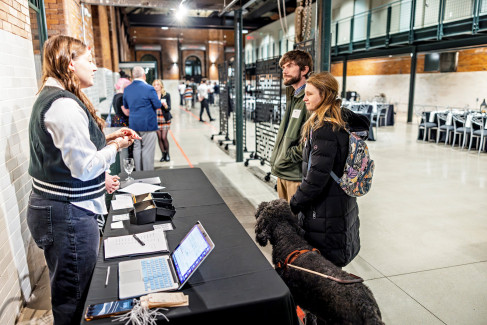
(122, 133)
(112, 183)
(124, 142)
(129, 133)
(163, 102)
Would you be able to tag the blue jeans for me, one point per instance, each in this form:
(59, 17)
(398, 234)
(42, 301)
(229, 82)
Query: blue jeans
(69, 237)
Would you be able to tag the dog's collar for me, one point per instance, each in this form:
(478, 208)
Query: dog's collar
(293, 256)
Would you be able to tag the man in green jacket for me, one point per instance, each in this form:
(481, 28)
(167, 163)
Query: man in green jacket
(287, 156)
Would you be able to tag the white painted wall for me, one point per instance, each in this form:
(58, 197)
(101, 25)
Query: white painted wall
(21, 262)
(455, 89)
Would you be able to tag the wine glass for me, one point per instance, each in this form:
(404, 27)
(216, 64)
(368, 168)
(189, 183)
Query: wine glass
(128, 165)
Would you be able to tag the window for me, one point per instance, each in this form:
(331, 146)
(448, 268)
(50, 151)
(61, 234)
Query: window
(39, 33)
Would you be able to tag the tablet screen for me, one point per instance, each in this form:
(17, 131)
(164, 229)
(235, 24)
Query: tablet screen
(191, 252)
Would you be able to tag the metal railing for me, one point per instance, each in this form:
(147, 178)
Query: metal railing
(395, 17)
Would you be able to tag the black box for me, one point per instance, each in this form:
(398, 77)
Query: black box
(144, 212)
(162, 197)
(164, 210)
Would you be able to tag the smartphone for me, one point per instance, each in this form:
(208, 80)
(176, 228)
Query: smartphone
(108, 309)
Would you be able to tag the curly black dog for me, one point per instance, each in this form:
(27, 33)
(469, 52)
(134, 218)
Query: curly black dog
(330, 301)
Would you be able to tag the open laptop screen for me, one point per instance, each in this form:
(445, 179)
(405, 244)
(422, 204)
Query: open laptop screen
(192, 250)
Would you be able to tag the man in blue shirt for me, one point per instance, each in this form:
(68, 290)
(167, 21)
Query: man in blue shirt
(142, 102)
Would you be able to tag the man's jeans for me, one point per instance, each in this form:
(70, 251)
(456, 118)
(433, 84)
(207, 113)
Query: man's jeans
(69, 237)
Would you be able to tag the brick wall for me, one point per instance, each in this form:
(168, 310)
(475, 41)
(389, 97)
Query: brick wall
(76, 27)
(55, 18)
(14, 17)
(21, 262)
(468, 61)
(64, 17)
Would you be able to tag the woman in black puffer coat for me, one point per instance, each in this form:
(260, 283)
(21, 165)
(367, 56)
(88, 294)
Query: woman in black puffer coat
(330, 217)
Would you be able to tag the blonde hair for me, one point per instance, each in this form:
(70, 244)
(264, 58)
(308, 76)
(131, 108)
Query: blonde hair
(329, 110)
(163, 90)
(58, 52)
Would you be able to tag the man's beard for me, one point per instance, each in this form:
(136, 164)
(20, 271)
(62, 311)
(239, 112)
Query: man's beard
(292, 81)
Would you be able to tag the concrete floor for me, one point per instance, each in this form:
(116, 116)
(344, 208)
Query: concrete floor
(423, 225)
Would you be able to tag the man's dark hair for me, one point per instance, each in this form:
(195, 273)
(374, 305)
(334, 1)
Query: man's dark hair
(301, 58)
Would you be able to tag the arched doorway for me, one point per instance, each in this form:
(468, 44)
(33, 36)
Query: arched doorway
(150, 74)
(192, 68)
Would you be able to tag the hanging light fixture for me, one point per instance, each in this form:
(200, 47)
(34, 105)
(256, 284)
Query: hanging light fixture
(181, 12)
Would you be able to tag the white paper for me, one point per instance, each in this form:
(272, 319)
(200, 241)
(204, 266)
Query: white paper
(155, 241)
(296, 113)
(120, 217)
(117, 225)
(151, 180)
(141, 188)
(164, 226)
(123, 196)
(122, 204)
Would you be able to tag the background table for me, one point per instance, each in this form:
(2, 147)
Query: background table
(235, 284)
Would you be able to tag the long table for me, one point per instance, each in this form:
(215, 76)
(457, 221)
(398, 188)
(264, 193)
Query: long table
(235, 284)
(370, 108)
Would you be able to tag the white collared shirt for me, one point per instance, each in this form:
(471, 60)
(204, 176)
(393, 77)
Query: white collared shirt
(67, 123)
(203, 90)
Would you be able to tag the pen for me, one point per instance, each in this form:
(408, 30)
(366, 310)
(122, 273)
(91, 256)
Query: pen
(138, 239)
(108, 275)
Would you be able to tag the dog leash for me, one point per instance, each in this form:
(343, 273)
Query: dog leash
(295, 254)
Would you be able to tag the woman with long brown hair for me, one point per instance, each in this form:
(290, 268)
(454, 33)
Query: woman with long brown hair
(164, 117)
(69, 155)
(329, 216)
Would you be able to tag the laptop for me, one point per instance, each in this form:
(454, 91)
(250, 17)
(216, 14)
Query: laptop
(166, 272)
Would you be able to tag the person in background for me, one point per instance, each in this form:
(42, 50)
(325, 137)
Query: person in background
(142, 102)
(248, 89)
(181, 88)
(211, 95)
(331, 221)
(195, 87)
(216, 92)
(287, 155)
(123, 75)
(163, 118)
(188, 96)
(121, 117)
(69, 155)
(203, 99)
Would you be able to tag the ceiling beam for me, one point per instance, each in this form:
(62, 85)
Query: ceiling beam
(163, 4)
(192, 22)
(269, 5)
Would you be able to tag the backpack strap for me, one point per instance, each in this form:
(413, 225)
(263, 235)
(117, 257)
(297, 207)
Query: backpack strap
(310, 139)
(335, 177)
(332, 173)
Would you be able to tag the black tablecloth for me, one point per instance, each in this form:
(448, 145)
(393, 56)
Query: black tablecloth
(235, 284)
(390, 115)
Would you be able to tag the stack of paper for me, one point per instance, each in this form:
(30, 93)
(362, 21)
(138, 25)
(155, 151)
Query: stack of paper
(140, 188)
(122, 201)
(154, 242)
